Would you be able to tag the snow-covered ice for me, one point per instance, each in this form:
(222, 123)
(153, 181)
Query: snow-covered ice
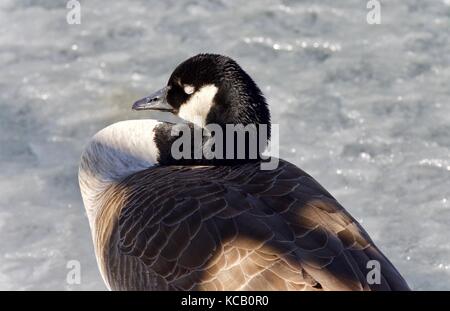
(363, 108)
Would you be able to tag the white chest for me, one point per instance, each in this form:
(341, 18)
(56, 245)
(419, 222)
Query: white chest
(114, 153)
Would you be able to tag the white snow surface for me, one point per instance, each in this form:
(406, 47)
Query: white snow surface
(363, 108)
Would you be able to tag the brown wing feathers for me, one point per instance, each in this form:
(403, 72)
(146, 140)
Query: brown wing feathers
(237, 228)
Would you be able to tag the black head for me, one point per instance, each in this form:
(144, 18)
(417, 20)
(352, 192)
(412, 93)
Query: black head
(210, 88)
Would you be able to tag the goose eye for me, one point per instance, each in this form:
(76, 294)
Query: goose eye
(189, 89)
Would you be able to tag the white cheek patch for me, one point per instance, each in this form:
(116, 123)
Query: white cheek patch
(197, 107)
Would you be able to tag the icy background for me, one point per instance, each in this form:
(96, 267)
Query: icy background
(363, 108)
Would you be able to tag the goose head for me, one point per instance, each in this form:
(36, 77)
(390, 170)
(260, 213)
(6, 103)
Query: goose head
(210, 89)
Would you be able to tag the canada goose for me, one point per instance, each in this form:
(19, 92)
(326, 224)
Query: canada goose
(159, 223)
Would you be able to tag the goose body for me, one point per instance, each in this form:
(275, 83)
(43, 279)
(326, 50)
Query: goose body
(159, 224)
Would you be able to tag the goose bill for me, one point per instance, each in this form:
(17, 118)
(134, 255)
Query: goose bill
(155, 101)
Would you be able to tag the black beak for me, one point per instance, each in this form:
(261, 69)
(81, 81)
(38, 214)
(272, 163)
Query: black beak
(155, 101)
